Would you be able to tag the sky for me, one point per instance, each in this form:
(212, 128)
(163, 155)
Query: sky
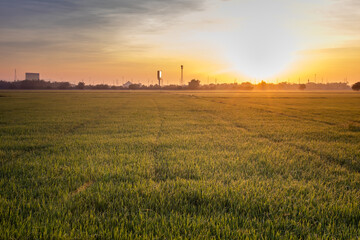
(114, 41)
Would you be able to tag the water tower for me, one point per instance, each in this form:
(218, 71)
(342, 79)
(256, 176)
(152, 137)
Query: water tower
(159, 76)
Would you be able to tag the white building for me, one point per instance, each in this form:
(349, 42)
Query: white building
(32, 76)
(126, 85)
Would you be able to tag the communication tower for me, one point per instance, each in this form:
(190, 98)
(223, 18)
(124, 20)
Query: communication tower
(182, 75)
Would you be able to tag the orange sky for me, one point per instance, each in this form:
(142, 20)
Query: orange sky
(113, 41)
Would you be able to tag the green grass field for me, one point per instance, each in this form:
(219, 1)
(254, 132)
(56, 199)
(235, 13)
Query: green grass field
(179, 165)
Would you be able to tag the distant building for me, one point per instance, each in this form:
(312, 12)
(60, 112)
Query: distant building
(32, 76)
(126, 85)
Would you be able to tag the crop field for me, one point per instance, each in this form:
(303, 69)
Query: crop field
(179, 165)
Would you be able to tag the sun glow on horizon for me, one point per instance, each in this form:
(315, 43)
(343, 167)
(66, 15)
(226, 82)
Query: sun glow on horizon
(264, 43)
(263, 58)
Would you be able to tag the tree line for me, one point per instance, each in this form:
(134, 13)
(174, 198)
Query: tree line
(194, 84)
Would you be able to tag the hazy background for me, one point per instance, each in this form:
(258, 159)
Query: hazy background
(107, 40)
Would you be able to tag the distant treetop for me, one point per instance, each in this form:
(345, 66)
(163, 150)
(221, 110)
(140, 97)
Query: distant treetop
(356, 86)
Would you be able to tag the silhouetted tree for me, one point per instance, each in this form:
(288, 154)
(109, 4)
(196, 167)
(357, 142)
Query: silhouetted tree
(356, 86)
(81, 85)
(101, 86)
(65, 85)
(262, 85)
(6, 85)
(134, 86)
(302, 86)
(172, 87)
(194, 84)
(246, 86)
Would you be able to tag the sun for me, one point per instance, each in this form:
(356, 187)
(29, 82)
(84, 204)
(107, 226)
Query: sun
(264, 54)
(263, 45)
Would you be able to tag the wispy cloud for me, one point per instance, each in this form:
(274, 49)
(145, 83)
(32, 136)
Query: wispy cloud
(344, 16)
(38, 24)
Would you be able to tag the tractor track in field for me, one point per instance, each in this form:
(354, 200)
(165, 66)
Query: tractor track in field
(82, 188)
(35, 150)
(59, 139)
(322, 156)
(93, 121)
(291, 116)
(159, 132)
(160, 166)
(258, 107)
(73, 130)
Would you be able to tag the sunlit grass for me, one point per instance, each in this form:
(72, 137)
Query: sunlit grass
(96, 165)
